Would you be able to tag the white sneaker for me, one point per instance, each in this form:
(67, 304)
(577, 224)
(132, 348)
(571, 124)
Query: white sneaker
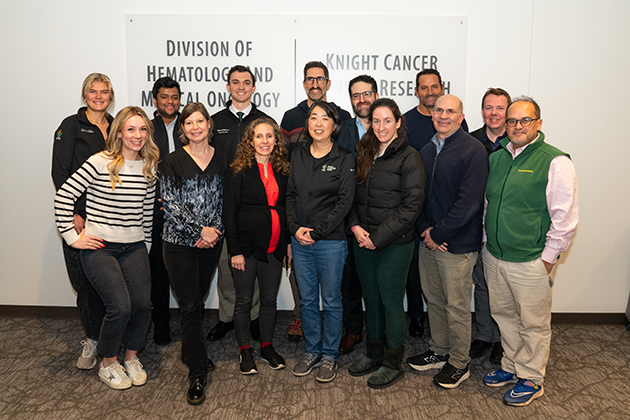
(87, 360)
(114, 375)
(135, 371)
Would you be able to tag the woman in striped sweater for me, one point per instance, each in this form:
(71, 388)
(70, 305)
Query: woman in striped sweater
(120, 188)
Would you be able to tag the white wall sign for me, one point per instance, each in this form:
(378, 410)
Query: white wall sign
(198, 50)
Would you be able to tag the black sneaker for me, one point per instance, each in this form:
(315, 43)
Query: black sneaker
(269, 355)
(427, 360)
(450, 377)
(248, 366)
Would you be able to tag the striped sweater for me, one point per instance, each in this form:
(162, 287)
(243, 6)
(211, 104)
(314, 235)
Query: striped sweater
(123, 215)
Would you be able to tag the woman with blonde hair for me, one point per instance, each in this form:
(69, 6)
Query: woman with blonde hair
(78, 137)
(120, 187)
(255, 218)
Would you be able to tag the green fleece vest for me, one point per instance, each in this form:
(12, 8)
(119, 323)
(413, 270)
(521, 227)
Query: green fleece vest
(517, 218)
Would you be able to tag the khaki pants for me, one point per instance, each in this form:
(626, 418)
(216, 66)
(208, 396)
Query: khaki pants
(520, 303)
(446, 281)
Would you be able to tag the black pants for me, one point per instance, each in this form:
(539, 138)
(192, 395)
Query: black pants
(351, 295)
(190, 270)
(269, 274)
(415, 307)
(160, 290)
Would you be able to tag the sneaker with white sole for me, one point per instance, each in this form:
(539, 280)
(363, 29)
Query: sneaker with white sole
(114, 375)
(499, 378)
(450, 377)
(306, 364)
(427, 360)
(87, 360)
(327, 370)
(135, 371)
(523, 393)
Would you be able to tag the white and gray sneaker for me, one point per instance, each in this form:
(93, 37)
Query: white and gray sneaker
(114, 375)
(306, 364)
(327, 371)
(87, 360)
(135, 371)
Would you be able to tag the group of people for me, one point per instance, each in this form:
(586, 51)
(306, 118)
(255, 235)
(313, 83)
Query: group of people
(366, 209)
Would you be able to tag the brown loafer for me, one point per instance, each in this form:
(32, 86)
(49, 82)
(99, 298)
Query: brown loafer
(348, 341)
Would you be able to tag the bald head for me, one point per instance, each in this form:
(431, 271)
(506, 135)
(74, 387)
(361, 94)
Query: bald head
(447, 115)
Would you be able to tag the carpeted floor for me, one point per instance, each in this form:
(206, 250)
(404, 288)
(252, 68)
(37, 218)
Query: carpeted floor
(588, 377)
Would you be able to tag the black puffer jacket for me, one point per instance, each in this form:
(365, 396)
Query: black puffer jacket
(388, 203)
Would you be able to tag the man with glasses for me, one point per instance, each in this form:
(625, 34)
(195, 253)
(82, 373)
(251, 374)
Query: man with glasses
(493, 109)
(419, 122)
(316, 83)
(363, 92)
(531, 215)
(450, 229)
(420, 130)
(229, 126)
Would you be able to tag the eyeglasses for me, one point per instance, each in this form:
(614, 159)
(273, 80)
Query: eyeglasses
(367, 95)
(311, 80)
(525, 122)
(450, 112)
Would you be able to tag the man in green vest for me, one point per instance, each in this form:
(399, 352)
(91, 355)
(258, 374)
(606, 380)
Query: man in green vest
(531, 215)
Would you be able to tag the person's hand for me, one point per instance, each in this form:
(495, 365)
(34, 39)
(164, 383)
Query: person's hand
(303, 236)
(429, 243)
(548, 266)
(88, 242)
(161, 208)
(79, 223)
(210, 235)
(289, 257)
(363, 238)
(238, 262)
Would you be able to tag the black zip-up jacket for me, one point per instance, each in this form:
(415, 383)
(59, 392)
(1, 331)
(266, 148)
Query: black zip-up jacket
(76, 140)
(228, 132)
(320, 199)
(388, 203)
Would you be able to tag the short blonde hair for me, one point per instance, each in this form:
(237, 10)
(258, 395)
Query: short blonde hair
(93, 78)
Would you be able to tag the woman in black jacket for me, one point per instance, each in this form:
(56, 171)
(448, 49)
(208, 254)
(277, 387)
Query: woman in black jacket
(78, 137)
(254, 216)
(390, 191)
(319, 197)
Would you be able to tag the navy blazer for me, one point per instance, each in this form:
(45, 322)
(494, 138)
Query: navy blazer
(247, 215)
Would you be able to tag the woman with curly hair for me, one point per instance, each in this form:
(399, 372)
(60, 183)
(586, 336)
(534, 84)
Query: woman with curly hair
(255, 221)
(120, 184)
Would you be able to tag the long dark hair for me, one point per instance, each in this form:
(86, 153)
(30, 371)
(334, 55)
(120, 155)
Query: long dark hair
(368, 146)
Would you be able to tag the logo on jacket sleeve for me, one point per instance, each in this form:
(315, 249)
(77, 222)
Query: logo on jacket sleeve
(58, 135)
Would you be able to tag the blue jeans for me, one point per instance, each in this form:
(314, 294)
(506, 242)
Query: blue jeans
(121, 275)
(320, 265)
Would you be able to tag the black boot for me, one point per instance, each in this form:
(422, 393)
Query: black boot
(371, 361)
(391, 371)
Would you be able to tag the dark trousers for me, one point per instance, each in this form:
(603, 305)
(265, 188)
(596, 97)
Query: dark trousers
(121, 275)
(190, 270)
(269, 274)
(89, 304)
(415, 306)
(160, 289)
(383, 274)
(351, 295)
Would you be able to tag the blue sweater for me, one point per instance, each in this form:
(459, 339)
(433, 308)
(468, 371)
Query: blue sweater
(456, 179)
